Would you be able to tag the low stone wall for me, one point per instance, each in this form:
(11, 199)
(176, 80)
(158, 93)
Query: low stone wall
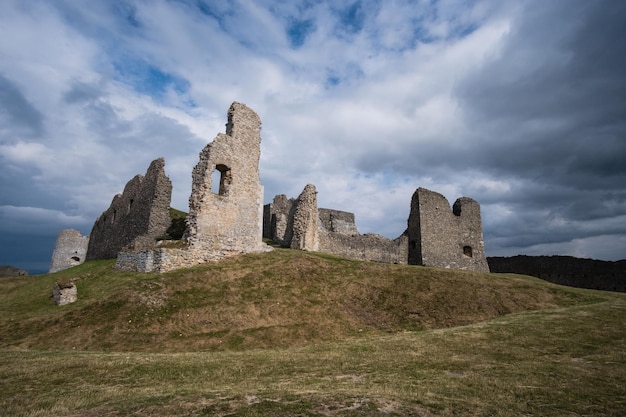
(367, 247)
(162, 260)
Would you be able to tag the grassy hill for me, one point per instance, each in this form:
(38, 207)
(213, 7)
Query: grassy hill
(294, 333)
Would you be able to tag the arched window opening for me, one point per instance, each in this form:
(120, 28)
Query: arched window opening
(467, 251)
(220, 180)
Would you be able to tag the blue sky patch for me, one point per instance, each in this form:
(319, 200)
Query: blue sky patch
(149, 79)
(352, 19)
(298, 31)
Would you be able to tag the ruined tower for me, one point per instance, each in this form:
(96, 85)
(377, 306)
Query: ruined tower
(226, 202)
(70, 249)
(444, 237)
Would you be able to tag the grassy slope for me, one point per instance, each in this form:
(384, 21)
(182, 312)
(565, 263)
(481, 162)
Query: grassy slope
(281, 299)
(306, 334)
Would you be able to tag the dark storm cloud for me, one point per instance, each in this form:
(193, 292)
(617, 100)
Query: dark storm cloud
(553, 107)
(16, 112)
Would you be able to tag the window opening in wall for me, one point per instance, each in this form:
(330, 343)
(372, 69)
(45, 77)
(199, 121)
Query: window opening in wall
(75, 259)
(130, 204)
(114, 215)
(467, 251)
(220, 180)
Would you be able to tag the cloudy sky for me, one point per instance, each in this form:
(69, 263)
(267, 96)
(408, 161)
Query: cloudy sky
(520, 105)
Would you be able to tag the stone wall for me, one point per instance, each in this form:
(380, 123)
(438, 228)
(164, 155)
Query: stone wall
(227, 217)
(306, 224)
(70, 249)
(136, 217)
(226, 203)
(278, 220)
(566, 270)
(299, 224)
(369, 247)
(337, 221)
(439, 236)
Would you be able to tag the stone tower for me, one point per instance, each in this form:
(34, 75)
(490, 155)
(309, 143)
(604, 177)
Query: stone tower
(226, 202)
(439, 236)
(70, 249)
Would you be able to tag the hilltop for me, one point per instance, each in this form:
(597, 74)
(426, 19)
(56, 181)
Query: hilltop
(281, 299)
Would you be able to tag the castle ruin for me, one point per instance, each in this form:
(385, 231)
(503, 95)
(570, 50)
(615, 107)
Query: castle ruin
(70, 249)
(436, 234)
(226, 203)
(136, 217)
(227, 217)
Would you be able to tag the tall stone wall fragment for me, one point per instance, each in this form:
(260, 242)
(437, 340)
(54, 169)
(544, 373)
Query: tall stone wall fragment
(439, 236)
(305, 234)
(136, 217)
(226, 217)
(70, 249)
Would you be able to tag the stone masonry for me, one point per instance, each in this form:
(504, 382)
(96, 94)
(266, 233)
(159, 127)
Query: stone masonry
(64, 293)
(445, 238)
(299, 224)
(226, 218)
(70, 249)
(136, 218)
(226, 203)
(436, 235)
(305, 234)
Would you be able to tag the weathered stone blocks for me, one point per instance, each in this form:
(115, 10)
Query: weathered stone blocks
(70, 249)
(439, 236)
(136, 217)
(64, 293)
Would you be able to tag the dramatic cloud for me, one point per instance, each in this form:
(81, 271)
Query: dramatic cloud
(519, 105)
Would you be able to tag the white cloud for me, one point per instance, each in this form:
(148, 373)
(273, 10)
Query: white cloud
(402, 94)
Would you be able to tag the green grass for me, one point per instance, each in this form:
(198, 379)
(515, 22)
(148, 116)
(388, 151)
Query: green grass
(296, 334)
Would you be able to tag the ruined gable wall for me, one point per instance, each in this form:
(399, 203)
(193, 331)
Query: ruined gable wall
(228, 218)
(70, 249)
(439, 236)
(136, 217)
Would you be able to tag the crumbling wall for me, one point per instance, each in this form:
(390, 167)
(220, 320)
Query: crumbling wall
(369, 247)
(439, 236)
(336, 221)
(70, 249)
(278, 220)
(299, 224)
(226, 203)
(305, 231)
(136, 217)
(227, 217)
